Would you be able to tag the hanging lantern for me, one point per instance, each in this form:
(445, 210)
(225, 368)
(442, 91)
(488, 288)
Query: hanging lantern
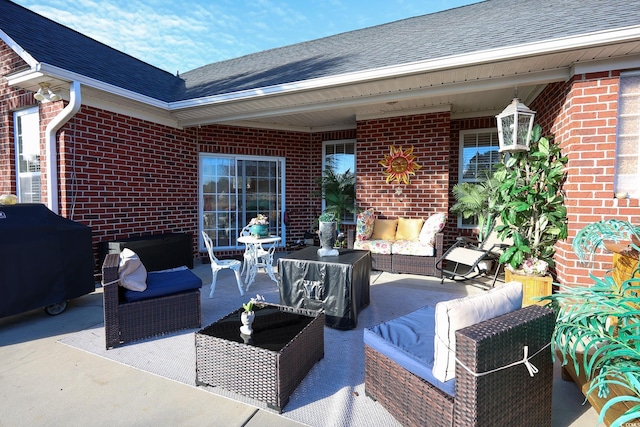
(514, 126)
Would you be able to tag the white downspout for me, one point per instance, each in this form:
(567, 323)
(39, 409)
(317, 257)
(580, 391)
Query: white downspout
(75, 100)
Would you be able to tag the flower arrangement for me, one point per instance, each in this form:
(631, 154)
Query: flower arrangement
(259, 220)
(531, 267)
(257, 301)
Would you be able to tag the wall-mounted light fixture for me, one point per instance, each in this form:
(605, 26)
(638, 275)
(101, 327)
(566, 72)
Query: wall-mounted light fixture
(514, 126)
(45, 94)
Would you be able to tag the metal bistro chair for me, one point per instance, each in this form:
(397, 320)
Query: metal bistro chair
(221, 264)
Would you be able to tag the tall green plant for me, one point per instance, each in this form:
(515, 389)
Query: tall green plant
(477, 199)
(531, 202)
(339, 192)
(602, 323)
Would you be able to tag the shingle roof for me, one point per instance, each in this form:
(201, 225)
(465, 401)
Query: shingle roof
(476, 27)
(52, 43)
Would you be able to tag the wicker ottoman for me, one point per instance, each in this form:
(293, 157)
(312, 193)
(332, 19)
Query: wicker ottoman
(267, 366)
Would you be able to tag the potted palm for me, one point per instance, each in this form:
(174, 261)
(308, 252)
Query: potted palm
(477, 200)
(597, 332)
(339, 193)
(597, 335)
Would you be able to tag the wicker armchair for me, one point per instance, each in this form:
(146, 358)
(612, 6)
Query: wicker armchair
(130, 321)
(509, 397)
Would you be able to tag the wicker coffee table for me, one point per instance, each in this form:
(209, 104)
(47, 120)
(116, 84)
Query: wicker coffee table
(269, 365)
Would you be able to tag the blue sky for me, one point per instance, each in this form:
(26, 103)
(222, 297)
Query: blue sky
(183, 35)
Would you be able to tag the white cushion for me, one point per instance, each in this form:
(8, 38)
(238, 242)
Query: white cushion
(131, 271)
(462, 312)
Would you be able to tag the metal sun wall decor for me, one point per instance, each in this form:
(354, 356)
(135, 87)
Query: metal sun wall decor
(398, 165)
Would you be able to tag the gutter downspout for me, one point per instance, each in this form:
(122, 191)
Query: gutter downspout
(75, 101)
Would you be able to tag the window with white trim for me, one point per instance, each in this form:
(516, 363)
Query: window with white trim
(479, 157)
(27, 149)
(340, 156)
(628, 138)
(235, 189)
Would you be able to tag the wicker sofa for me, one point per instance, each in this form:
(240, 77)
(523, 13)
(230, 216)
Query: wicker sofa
(171, 302)
(506, 397)
(402, 245)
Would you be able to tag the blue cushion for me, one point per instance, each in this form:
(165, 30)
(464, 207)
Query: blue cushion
(408, 340)
(161, 283)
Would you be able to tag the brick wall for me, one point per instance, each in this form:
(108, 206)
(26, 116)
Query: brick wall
(582, 116)
(427, 191)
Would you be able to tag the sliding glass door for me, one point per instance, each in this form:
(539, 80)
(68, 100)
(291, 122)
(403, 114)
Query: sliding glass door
(235, 189)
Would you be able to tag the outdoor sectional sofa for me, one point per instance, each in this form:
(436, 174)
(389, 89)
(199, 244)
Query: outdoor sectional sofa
(403, 245)
(461, 364)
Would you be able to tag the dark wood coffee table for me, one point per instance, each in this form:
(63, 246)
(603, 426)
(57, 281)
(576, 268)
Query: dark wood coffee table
(268, 365)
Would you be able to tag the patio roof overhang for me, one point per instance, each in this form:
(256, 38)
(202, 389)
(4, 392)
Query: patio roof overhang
(472, 85)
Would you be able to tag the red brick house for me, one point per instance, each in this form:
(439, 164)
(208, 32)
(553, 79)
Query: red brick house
(132, 150)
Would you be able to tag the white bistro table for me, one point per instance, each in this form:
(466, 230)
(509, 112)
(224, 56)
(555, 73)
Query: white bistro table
(258, 256)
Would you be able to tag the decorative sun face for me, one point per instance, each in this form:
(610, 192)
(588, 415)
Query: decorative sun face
(398, 165)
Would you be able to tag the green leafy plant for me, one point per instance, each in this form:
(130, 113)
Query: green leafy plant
(602, 323)
(339, 193)
(477, 199)
(531, 202)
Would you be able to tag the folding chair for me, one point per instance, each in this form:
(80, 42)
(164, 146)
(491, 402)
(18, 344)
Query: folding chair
(467, 259)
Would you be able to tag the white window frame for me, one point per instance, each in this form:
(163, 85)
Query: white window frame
(336, 142)
(22, 150)
(461, 164)
(628, 144)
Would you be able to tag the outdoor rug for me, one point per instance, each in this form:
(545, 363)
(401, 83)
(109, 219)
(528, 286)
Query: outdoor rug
(332, 393)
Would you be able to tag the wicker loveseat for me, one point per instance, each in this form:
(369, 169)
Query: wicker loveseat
(395, 372)
(402, 245)
(171, 302)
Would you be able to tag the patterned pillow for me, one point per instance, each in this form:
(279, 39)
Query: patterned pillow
(431, 226)
(364, 224)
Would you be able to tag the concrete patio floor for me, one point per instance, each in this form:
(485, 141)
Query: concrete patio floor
(43, 383)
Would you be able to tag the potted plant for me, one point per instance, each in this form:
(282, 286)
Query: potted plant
(477, 199)
(598, 333)
(247, 317)
(259, 226)
(531, 203)
(327, 233)
(339, 193)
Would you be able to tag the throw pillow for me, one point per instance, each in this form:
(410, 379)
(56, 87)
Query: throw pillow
(433, 225)
(131, 271)
(364, 224)
(460, 313)
(384, 229)
(409, 228)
